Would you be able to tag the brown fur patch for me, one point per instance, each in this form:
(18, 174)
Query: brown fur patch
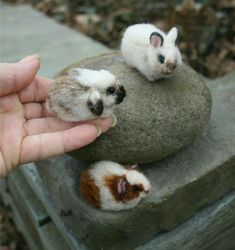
(89, 189)
(131, 191)
(66, 109)
(69, 82)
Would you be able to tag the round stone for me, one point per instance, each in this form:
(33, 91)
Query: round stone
(155, 120)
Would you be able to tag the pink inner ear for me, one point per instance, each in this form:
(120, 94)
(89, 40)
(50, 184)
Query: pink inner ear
(121, 186)
(156, 40)
(134, 166)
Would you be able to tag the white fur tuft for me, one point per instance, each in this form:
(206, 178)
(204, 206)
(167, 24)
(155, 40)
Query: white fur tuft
(95, 78)
(134, 178)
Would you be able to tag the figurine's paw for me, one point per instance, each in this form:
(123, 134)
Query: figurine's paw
(150, 78)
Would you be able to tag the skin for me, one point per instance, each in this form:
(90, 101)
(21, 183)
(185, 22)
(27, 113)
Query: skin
(27, 132)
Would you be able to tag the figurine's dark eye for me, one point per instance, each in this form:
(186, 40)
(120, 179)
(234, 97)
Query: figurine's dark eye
(161, 59)
(110, 90)
(137, 188)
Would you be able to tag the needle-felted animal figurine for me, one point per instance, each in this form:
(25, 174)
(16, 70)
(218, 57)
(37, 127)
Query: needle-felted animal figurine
(150, 50)
(84, 94)
(110, 186)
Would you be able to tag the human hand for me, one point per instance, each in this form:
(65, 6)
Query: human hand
(27, 131)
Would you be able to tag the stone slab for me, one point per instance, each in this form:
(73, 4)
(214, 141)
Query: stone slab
(39, 188)
(23, 221)
(212, 228)
(24, 31)
(24, 225)
(37, 212)
(39, 236)
(182, 184)
(51, 238)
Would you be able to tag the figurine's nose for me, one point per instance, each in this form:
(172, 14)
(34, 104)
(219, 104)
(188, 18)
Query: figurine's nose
(171, 65)
(121, 93)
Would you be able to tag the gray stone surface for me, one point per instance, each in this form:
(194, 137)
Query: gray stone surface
(24, 31)
(41, 191)
(182, 184)
(26, 210)
(155, 119)
(213, 228)
(31, 204)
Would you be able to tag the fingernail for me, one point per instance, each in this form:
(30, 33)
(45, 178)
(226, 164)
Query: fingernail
(114, 120)
(30, 58)
(99, 130)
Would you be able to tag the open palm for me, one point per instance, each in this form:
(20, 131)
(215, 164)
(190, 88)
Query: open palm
(27, 132)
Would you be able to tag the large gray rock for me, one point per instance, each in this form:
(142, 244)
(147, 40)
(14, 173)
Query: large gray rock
(182, 184)
(155, 120)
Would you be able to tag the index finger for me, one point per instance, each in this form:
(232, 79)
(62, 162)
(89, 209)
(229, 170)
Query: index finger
(36, 91)
(16, 76)
(42, 146)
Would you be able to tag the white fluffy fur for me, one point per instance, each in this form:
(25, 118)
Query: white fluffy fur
(74, 97)
(100, 79)
(142, 55)
(107, 168)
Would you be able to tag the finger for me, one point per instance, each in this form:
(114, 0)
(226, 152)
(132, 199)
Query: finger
(43, 146)
(104, 123)
(53, 124)
(16, 76)
(37, 91)
(47, 125)
(35, 110)
(3, 167)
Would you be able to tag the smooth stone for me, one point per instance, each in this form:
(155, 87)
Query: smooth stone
(155, 120)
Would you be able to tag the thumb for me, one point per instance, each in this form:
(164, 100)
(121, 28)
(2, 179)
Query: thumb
(15, 76)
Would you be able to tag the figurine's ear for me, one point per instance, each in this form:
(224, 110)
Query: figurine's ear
(172, 35)
(129, 166)
(135, 166)
(156, 39)
(121, 185)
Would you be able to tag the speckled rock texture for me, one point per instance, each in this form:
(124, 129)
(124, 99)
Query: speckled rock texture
(155, 120)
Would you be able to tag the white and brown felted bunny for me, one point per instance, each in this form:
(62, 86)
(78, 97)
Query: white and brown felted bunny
(150, 50)
(84, 94)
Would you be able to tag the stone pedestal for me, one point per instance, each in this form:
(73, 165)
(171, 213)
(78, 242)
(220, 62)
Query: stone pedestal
(182, 184)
